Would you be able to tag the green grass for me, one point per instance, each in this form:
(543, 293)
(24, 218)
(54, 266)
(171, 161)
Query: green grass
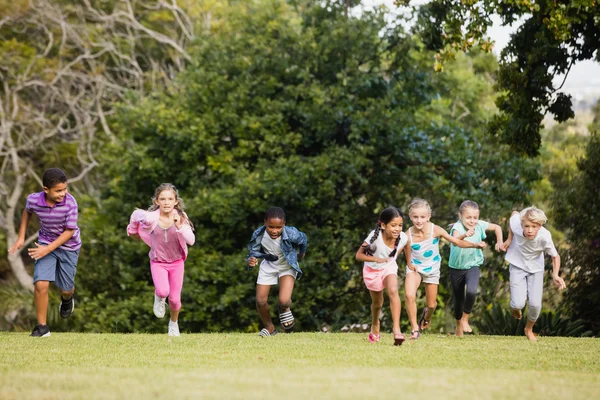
(297, 366)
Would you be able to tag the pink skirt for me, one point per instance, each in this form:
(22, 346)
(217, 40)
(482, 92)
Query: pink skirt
(374, 277)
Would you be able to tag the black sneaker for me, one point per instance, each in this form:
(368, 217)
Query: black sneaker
(40, 331)
(67, 307)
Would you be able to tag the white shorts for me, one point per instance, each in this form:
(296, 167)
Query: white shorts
(433, 277)
(268, 274)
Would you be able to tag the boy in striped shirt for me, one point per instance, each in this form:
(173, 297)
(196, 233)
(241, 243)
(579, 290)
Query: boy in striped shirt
(57, 249)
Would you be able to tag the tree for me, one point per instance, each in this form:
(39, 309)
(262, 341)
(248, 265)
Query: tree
(554, 36)
(62, 67)
(329, 115)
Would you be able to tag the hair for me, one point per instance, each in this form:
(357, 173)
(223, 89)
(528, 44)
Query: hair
(275, 213)
(180, 206)
(417, 203)
(467, 204)
(52, 177)
(534, 214)
(384, 218)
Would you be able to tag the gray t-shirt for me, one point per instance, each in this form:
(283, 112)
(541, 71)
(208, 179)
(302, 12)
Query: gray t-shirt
(273, 246)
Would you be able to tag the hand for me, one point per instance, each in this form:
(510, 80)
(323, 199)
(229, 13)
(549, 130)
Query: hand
(382, 260)
(481, 245)
(176, 218)
(301, 256)
(412, 268)
(499, 247)
(38, 252)
(135, 236)
(559, 282)
(470, 233)
(18, 244)
(252, 261)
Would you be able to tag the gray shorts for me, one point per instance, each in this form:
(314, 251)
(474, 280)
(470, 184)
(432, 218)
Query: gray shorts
(59, 267)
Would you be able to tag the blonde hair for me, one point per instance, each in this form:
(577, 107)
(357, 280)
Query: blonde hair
(533, 214)
(418, 203)
(179, 206)
(467, 204)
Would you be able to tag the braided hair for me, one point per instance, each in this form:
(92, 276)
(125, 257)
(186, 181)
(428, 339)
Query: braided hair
(179, 206)
(384, 218)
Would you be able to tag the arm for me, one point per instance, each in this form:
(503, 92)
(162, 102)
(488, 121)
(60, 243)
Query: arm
(509, 238)
(183, 229)
(362, 256)
(462, 236)
(558, 281)
(437, 231)
(408, 255)
(498, 230)
(42, 251)
(22, 231)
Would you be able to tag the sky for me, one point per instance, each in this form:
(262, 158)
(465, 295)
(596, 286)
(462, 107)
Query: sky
(583, 81)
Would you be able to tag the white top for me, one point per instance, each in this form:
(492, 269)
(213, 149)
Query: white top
(528, 254)
(382, 251)
(273, 246)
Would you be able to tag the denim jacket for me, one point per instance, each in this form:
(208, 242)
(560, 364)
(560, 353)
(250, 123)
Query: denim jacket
(290, 237)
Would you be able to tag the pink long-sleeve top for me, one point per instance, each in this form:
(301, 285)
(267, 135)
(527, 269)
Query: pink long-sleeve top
(144, 223)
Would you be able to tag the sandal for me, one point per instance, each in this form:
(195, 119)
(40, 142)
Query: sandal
(373, 338)
(424, 323)
(398, 339)
(415, 335)
(264, 332)
(287, 320)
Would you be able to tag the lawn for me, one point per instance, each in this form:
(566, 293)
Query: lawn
(295, 366)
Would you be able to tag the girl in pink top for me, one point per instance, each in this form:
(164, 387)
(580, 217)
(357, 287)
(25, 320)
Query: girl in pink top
(166, 228)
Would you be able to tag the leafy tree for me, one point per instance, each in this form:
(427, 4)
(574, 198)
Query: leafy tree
(301, 105)
(554, 35)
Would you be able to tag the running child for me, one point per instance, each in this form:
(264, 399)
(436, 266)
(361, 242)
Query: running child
(276, 244)
(379, 253)
(57, 250)
(525, 246)
(423, 263)
(464, 263)
(166, 228)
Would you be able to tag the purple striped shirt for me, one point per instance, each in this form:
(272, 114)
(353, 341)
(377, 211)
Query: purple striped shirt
(55, 220)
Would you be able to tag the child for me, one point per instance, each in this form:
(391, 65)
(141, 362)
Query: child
(526, 258)
(57, 250)
(464, 263)
(423, 262)
(379, 252)
(166, 228)
(280, 262)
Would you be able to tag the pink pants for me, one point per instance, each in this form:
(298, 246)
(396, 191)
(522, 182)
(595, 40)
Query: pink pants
(168, 281)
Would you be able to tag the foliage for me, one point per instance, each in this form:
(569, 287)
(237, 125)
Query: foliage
(553, 36)
(332, 117)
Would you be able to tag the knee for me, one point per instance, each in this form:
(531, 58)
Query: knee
(174, 303)
(377, 304)
(432, 304)
(162, 293)
(471, 294)
(517, 304)
(410, 298)
(41, 287)
(392, 292)
(261, 302)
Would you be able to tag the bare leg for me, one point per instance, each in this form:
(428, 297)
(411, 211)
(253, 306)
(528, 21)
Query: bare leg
(174, 315)
(391, 284)
(262, 306)
(286, 287)
(465, 323)
(411, 284)
(517, 313)
(376, 305)
(431, 291)
(40, 296)
(529, 330)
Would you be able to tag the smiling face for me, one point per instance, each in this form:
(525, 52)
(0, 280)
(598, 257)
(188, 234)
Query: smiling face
(56, 193)
(166, 201)
(419, 216)
(469, 217)
(274, 227)
(392, 228)
(530, 228)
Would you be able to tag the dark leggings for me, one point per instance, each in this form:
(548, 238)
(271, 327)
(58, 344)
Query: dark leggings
(459, 278)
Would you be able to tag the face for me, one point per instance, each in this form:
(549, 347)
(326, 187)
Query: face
(469, 217)
(274, 227)
(393, 228)
(419, 216)
(530, 229)
(166, 201)
(56, 193)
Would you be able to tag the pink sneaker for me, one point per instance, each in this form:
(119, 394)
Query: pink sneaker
(373, 338)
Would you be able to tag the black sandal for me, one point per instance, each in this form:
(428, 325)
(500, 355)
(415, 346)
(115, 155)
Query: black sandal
(287, 320)
(424, 323)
